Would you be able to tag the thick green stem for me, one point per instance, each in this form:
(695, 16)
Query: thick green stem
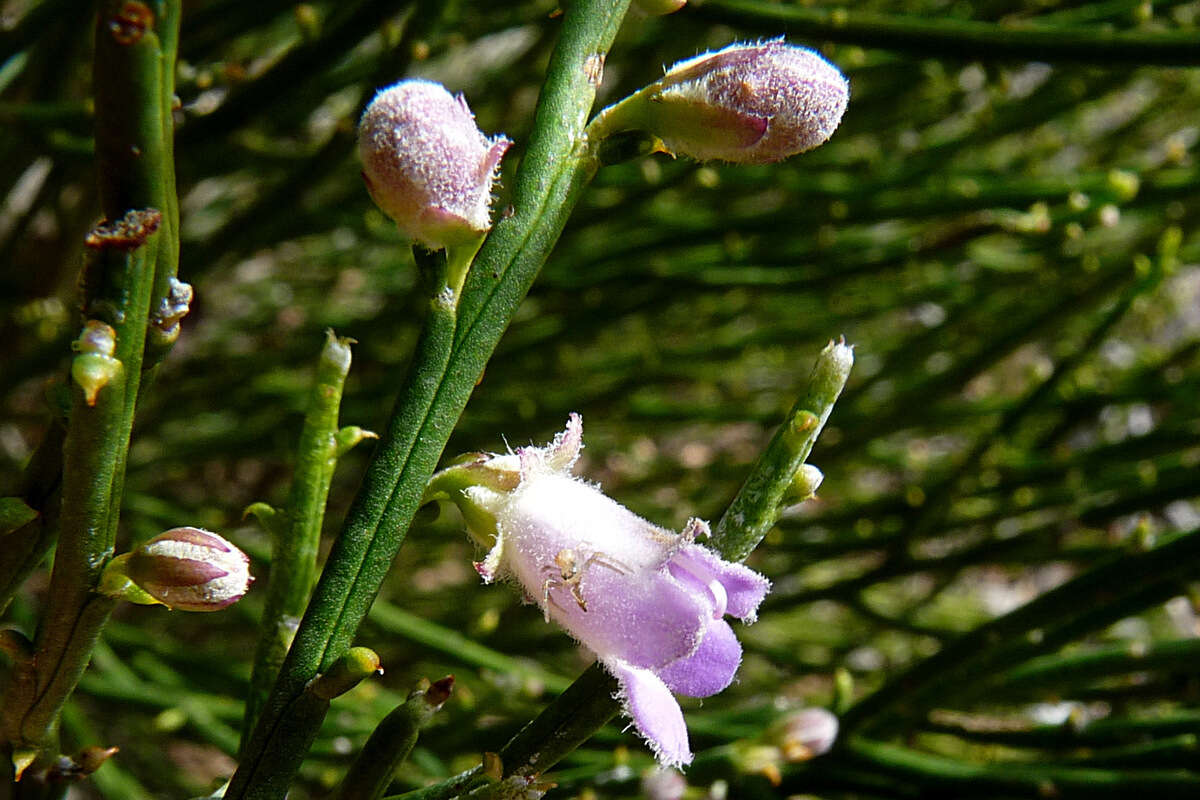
(320, 632)
(118, 287)
(940, 36)
(453, 349)
(296, 529)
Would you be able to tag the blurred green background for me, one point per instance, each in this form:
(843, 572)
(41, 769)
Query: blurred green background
(1004, 226)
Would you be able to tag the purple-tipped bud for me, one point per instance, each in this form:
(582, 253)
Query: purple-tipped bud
(190, 569)
(427, 165)
(748, 103)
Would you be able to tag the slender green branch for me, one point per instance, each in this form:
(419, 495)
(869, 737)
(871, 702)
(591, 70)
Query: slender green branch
(454, 347)
(1071, 669)
(945, 775)
(118, 287)
(391, 742)
(296, 529)
(944, 36)
(1067, 734)
(758, 504)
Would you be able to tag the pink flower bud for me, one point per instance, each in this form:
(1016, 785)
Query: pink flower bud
(427, 165)
(747, 103)
(190, 569)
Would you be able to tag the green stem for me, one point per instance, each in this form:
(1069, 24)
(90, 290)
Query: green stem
(391, 742)
(758, 504)
(940, 36)
(118, 287)
(357, 555)
(163, 333)
(1072, 669)
(296, 530)
(453, 349)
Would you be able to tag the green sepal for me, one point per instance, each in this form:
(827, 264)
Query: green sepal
(116, 583)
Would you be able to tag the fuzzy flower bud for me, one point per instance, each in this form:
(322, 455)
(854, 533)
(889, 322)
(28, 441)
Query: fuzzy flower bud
(427, 165)
(747, 104)
(190, 569)
(650, 603)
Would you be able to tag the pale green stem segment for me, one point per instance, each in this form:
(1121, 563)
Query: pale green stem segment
(296, 529)
(772, 483)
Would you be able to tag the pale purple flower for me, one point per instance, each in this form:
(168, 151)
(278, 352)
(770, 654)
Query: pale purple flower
(650, 603)
(427, 165)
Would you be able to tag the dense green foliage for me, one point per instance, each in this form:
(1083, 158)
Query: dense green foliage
(995, 587)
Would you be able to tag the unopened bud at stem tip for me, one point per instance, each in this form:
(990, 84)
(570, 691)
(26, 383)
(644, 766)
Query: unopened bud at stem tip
(427, 165)
(752, 103)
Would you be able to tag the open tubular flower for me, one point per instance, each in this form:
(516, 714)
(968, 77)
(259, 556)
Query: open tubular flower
(650, 603)
(751, 103)
(427, 165)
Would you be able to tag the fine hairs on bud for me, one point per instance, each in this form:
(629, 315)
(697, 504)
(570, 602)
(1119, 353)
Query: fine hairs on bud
(751, 103)
(783, 99)
(427, 165)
